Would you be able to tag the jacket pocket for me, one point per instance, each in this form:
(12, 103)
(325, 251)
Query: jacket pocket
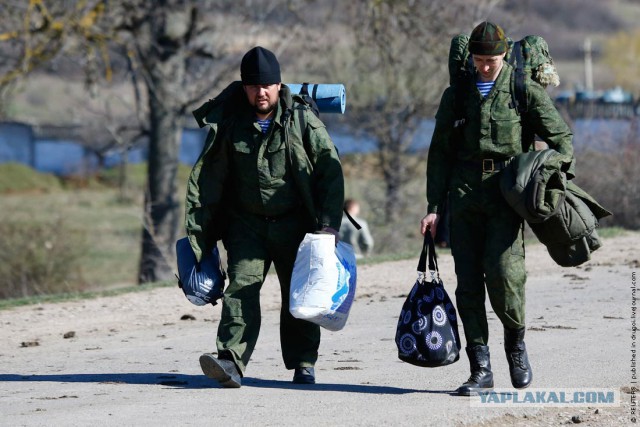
(506, 129)
(276, 157)
(242, 155)
(242, 147)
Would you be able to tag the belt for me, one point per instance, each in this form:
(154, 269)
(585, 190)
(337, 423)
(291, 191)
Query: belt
(276, 218)
(487, 165)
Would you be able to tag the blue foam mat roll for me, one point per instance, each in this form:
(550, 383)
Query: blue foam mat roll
(330, 97)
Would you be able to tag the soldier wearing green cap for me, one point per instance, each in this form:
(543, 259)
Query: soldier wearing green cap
(265, 178)
(466, 156)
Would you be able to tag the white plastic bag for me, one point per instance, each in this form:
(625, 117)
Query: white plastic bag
(323, 283)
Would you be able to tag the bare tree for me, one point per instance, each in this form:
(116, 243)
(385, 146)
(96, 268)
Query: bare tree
(182, 53)
(400, 69)
(32, 35)
(176, 52)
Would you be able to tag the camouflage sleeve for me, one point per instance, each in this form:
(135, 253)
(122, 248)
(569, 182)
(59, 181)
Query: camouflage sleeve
(205, 189)
(441, 154)
(327, 171)
(548, 124)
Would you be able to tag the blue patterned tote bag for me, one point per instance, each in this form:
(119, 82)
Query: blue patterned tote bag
(427, 331)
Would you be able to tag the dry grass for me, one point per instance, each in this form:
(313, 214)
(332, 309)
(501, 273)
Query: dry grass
(110, 230)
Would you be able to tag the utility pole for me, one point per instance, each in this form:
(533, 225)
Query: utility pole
(588, 66)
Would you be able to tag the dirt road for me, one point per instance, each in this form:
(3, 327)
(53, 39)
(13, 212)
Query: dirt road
(131, 360)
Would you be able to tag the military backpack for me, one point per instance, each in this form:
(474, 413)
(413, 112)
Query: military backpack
(530, 59)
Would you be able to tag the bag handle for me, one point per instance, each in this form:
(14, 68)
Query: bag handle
(428, 251)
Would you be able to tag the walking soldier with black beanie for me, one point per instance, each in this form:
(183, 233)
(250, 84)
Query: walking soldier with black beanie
(255, 188)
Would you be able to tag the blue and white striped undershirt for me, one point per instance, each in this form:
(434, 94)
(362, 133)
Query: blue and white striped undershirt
(485, 87)
(264, 124)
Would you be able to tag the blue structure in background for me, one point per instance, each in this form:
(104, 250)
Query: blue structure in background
(67, 157)
(609, 104)
(192, 144)
(16, 143)
(63, 158)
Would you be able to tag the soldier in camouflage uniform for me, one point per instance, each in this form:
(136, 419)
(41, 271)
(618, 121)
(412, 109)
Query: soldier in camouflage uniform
(464, 165)
(262, 182)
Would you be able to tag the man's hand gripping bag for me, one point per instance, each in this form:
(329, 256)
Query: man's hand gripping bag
(202, 282)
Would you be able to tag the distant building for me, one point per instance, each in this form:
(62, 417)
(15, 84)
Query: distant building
(17, 143)
(610, 104)
(60, 150)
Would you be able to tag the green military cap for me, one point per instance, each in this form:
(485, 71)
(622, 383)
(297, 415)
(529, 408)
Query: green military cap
(488, 39)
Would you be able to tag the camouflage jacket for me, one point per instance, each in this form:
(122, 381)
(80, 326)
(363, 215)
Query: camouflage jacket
(562, 216)
(315, 167)
(492, 130)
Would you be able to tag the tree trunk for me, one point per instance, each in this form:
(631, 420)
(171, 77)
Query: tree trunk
(165, 63)
(394, 174)
(161, 206)
(161, 219)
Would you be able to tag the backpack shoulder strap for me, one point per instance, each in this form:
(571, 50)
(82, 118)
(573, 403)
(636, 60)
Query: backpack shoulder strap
(310, 99)
(461, 81)
(295, 115)
(519, 82)
(300, 121)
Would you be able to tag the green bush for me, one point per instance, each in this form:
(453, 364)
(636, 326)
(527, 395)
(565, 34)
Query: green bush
(38, 258)
(16, 177)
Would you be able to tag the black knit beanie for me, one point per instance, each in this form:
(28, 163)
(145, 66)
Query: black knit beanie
(488, 39)
(260, 67)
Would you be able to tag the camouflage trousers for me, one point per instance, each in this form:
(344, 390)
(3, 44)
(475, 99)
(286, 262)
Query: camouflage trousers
(488, 250)
(253, 244)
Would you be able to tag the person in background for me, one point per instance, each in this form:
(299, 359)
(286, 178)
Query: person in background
(361, 240)
(266, 177)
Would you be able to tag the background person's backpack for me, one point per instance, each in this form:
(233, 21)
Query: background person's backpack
(530, 59)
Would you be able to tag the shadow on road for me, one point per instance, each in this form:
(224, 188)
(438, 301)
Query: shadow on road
(347, 388)
(165, 379)
(200, 381)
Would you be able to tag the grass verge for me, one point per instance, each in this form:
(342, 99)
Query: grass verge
(76, 296)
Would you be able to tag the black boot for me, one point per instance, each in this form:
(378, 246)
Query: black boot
(519, 367)
(481, 378)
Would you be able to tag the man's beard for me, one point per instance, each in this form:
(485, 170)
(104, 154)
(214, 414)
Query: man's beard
(266, 110)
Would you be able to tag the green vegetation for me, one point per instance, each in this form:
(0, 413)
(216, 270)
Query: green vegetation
(39, 257)
(106, 230)
(16, 177)
(62, 237)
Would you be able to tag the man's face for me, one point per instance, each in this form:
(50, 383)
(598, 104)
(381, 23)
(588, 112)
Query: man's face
(263, 98)
(488, 66)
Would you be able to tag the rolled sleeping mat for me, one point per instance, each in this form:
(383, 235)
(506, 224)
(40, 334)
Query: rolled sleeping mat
(330, 97)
